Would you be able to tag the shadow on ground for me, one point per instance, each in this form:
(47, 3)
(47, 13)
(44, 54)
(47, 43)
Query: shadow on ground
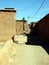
(36, 40)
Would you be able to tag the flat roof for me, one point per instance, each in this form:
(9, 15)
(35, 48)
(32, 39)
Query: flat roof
(21, 20)
(8, 10)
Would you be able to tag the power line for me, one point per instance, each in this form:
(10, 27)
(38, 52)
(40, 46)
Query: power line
(38, 9)
(28, 6)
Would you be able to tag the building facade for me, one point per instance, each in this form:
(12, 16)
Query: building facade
(42, 27)
(7, 23)
(22, 27)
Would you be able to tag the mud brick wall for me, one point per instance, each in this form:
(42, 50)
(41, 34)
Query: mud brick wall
(7, 24)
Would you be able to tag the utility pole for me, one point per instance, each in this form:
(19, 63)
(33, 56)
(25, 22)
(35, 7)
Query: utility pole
(23, 24)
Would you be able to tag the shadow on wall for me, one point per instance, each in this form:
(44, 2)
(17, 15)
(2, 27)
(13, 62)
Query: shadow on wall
(34, 39)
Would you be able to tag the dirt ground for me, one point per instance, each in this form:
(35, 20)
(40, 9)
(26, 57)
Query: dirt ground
(18, 54)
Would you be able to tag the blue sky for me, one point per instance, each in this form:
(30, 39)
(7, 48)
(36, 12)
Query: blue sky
(27, 8)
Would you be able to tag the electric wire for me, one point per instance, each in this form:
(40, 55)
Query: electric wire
(38, 9)
(28, 6)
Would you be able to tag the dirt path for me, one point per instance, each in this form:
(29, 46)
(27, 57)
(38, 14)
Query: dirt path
(28, 55)
(18, 54)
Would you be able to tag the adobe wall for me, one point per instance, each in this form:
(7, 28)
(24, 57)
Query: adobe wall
(43, 27)
(27, 28)
(7, 24)
(19, 27)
